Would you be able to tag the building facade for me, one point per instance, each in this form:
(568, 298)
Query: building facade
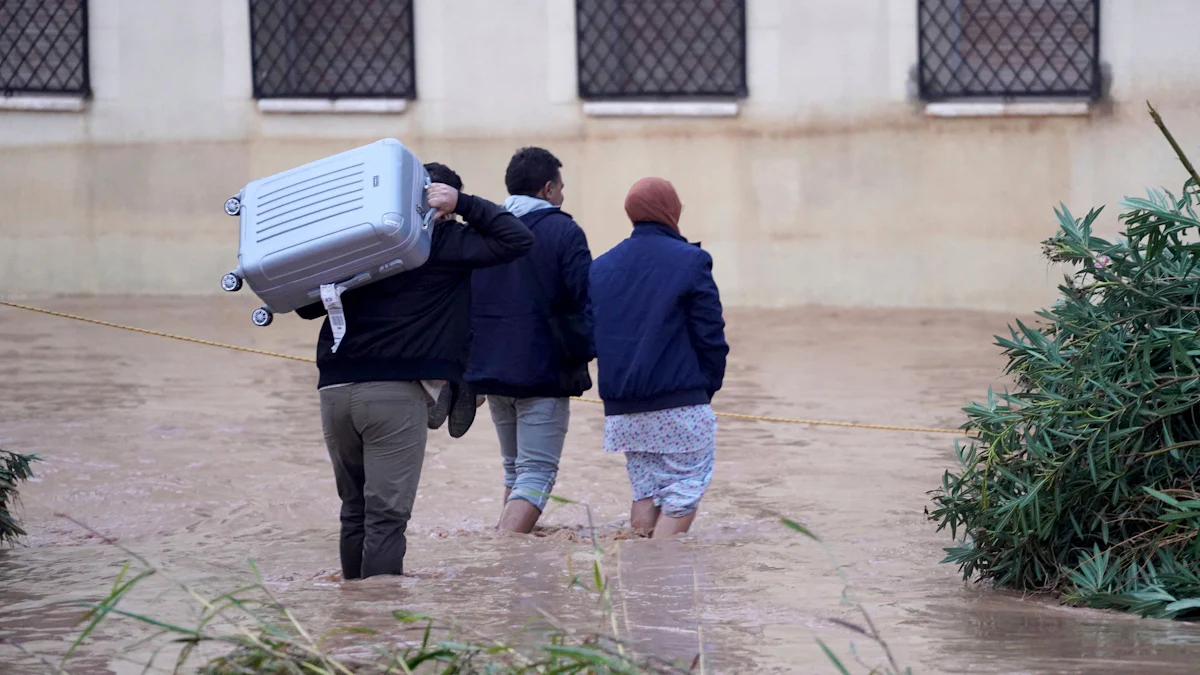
(904, 153)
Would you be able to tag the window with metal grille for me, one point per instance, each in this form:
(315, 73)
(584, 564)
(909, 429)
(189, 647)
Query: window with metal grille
(1009, 48)
(661, 48)
(326, 49)
(44, 47)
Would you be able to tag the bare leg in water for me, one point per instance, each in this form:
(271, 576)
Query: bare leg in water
(669, 527)
(515, 519)
(519, 515)
(643, 516)
(649, 521)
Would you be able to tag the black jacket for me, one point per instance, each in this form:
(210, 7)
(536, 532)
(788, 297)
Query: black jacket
(417, 324)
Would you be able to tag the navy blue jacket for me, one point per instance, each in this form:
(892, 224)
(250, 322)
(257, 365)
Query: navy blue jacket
(660, 337)
(512, 351)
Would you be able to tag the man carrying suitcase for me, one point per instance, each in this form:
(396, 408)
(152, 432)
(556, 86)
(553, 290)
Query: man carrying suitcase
(406, 335)
(533, 337)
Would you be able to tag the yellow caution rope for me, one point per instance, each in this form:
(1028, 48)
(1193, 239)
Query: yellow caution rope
(305, 359)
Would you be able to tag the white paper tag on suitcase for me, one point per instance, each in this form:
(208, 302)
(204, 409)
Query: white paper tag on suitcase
(331, 297)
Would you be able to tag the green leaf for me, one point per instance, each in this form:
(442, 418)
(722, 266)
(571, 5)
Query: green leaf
(409, 617)
(837, 663)
(1160, 496)
(1180, 605)
(799, 528)
(1179, 515)
(553, 498)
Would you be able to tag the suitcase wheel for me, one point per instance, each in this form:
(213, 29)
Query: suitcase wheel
(262, 317)
(231, 282)
(233, 206)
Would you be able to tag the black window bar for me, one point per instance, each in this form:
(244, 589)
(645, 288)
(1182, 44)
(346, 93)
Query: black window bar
(44, 47)
(661, 48)
(327, 49)
(1008, 49)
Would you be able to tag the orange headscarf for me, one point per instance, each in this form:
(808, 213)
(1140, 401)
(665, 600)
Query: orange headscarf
(654, 200)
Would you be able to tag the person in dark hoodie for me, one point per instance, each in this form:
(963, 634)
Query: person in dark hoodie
(660, 344)
(532, 337)
(406, 336)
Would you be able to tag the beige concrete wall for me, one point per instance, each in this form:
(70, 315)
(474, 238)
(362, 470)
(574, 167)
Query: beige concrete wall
(830, 187)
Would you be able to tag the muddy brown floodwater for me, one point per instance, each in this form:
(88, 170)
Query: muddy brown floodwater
(203, 458)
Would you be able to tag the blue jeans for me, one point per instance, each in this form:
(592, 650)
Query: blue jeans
(532, 432)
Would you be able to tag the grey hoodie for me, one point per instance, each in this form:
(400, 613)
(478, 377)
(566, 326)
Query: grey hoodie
(519, 205)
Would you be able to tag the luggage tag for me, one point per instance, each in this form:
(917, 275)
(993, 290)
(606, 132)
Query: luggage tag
(331, 297)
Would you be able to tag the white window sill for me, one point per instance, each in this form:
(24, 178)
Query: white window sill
(1069, 108)
(661, 108)
(367, 106)
(50, 103)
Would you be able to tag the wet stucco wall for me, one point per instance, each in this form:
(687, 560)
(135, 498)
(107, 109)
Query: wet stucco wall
(830, 186)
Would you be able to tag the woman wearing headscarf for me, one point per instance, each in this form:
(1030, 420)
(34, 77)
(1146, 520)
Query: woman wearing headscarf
(660, 346)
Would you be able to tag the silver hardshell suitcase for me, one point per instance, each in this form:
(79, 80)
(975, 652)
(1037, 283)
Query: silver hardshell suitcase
(349, 219)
